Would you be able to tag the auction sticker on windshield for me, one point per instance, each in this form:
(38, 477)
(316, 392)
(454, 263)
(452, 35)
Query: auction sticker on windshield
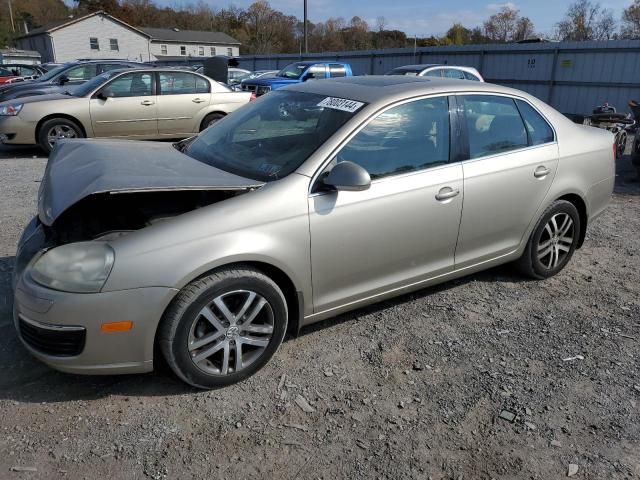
(340, 104)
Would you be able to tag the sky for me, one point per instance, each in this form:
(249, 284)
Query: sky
(415, 17)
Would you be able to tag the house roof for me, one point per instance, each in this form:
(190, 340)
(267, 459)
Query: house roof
(50, 27)
(189, 36)
(157, 34)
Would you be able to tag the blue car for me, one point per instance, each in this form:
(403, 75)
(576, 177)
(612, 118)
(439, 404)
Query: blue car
(297, 72)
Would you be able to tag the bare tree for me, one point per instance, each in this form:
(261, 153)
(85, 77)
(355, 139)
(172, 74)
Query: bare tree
(524, 29)
(586, 20)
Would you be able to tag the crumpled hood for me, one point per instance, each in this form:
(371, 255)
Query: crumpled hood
(80, 168)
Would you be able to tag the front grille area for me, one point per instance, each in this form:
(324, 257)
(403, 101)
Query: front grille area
(59, 341)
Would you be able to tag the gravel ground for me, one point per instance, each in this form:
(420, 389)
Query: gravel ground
(468, 380)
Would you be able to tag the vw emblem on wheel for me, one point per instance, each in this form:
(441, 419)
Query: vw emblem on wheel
(232, 332)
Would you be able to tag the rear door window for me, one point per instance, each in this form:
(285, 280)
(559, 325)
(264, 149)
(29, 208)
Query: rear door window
(409, 137)
(470, 76)
(434, 73)
(493, 125)
(540, 132)
(181, 83)
(454, 73)
(337, 70)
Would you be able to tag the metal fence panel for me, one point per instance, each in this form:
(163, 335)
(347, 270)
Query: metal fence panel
(571, 76)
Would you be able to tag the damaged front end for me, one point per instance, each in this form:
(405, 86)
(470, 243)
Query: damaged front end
(101, 190)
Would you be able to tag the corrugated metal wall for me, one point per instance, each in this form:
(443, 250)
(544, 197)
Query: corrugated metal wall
(574, 77)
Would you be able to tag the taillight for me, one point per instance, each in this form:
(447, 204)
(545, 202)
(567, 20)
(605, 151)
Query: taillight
(615, 150)
(253, 97)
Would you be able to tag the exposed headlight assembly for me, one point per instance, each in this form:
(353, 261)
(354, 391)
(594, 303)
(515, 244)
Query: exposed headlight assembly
(10, 110)
(81, 267)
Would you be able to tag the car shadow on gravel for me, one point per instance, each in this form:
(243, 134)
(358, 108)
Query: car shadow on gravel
(7, 152)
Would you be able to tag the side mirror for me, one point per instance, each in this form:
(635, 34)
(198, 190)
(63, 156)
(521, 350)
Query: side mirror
(349, 177)
(63, 79)
(308, 76)
(105, 94)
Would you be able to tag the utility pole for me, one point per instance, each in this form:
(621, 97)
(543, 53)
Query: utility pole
(305, 32)
(13, 27)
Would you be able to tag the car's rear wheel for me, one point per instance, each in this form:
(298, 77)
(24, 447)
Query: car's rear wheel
(56, 129)
(552, 242)
(211, 119)
(223, 328)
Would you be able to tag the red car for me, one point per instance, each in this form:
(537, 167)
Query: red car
(10, 73)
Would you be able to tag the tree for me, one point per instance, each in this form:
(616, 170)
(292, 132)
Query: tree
(631, 21)
(88, 6)
(524, 29)
(501, 26)
(458, 35)
(586, 20)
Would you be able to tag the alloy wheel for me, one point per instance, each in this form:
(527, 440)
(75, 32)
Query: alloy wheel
(556, 240)
(231, 332)
(58, 132)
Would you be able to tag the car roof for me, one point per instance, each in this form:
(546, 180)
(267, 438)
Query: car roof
(420, 66)
(389, 88)
(313, 62)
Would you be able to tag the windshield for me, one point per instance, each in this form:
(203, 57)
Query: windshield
(293, 70)
(90, 85)
(269, 139)
(52, 73)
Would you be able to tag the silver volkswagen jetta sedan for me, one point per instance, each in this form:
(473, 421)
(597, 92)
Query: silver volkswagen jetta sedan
(317, 199)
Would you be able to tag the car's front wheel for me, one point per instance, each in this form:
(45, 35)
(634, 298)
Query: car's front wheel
(56, 129)
(223, 328)
(552, 242)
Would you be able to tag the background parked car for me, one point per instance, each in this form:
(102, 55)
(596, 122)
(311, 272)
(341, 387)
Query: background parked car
(11, 71)
(141, 104)
(297, 72)
(61, 78)
(437, 70)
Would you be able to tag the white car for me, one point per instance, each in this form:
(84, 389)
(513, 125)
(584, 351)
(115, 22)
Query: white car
(437, 70)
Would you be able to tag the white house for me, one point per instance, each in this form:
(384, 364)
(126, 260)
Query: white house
(99, 35)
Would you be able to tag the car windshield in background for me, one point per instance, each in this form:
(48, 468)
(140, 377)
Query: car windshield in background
(89, 86)
(292, 71)
(52, 73)
(271, 138)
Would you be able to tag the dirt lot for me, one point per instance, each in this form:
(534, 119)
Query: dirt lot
(410, 388)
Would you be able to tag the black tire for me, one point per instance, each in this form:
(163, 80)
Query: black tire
(210, 120)
(530, 264)
(64, 123)
(184, 313)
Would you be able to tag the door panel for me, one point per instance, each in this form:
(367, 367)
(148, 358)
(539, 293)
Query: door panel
(394, 234)
(182, 100)
(131, 112)
(502, 191)
(404, 228)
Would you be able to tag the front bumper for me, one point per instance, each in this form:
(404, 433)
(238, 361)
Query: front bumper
(44, 310)
(16, 131)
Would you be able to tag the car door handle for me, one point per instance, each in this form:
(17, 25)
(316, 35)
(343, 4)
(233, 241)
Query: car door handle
(541, 172)
(147, 102)
(198, 100)
(447, 193)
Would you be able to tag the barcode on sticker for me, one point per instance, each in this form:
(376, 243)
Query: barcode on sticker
(340, 104)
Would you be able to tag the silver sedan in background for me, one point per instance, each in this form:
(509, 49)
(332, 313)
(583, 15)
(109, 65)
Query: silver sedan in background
(317, 199)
